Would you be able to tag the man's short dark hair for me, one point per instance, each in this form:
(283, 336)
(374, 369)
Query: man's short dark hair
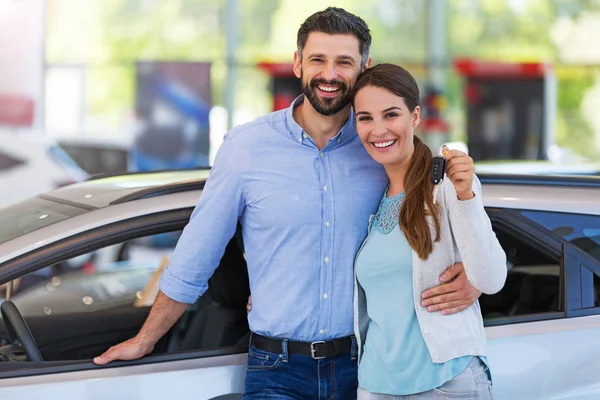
(337, 21)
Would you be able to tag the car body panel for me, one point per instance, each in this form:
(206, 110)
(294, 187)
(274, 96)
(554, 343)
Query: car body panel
(538, 167)
(201, 378)
(555, 359)
(547, 198)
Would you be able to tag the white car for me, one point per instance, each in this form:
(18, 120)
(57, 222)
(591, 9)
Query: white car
(542, 327)
(537, 167)
(32, 163)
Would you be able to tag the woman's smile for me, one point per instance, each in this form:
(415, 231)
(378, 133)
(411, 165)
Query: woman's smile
(383, 145)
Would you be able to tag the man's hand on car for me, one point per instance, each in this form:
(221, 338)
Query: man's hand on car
(455, 294)
(131, 349)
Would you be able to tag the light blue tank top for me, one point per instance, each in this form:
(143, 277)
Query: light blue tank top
(396, 360)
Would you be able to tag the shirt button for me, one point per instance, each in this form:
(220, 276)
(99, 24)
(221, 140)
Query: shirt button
(305, 136)
(325, 188)
(321, 154)
(299, 140)
(325, 296)
(322, 331)
(339, 140)
(327, 224)
(326, 259)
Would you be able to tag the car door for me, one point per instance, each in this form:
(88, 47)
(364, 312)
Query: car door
(541, 327)
(79, 313)
(208, 373)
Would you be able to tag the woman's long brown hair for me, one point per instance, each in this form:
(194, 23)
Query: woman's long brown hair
(418, 199)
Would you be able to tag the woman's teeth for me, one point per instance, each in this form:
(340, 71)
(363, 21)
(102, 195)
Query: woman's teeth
(384, 144)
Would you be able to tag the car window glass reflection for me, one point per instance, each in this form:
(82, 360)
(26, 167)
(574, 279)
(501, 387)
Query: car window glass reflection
(33, 214)
(107, 278)
(580, 229)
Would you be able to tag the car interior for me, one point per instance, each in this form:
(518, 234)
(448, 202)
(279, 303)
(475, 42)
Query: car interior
(532, 284)
(217, 320)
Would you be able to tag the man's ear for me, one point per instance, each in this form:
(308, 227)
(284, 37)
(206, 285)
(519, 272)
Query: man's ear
(297, 64)
(367, 65)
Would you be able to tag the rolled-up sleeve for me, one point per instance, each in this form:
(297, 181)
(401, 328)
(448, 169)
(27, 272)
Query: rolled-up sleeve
(212, 224)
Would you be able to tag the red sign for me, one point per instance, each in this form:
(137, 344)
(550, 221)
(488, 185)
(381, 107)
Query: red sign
(16, 110)
(489, 69)
(278, 70)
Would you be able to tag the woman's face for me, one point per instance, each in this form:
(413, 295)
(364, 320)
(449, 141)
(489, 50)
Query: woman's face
(385, 125)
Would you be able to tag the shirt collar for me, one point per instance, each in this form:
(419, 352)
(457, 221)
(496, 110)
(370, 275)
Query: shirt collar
(347, 132)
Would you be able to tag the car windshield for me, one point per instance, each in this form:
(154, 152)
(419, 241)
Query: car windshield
(33, 214)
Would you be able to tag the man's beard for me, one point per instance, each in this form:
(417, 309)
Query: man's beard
(326, 106)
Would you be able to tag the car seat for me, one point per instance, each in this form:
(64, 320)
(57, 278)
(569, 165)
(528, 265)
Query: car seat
(223, 321)
(539, 294)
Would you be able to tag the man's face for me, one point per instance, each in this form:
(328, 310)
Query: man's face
(328, 70)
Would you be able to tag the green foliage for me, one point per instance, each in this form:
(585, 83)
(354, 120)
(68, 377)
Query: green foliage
(572, 131)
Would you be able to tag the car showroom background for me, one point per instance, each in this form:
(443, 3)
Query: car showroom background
(97, 86)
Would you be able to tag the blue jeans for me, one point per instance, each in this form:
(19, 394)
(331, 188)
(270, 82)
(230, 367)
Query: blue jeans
(283, 376)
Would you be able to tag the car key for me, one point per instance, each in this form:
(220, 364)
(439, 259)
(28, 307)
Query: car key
(438, 168)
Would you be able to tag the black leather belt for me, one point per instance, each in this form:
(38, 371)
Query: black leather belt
(317, 350)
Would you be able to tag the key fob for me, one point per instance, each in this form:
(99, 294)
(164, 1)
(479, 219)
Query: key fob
(438, 168)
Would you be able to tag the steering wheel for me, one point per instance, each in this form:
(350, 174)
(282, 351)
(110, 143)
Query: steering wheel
(18, 331)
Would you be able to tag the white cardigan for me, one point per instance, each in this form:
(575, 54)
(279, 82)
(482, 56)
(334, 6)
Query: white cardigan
(465, 235)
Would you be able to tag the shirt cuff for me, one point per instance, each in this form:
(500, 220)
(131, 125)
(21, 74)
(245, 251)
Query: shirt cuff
(179, 290)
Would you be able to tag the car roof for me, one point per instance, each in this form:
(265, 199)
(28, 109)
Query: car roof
(103, 191)
(555, 193)
(537, 167)
(115, 198)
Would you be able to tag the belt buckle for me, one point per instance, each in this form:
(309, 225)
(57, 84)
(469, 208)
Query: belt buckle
(313, 350)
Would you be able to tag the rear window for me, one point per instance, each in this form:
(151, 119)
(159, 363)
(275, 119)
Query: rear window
(33, 214)
(580, 229)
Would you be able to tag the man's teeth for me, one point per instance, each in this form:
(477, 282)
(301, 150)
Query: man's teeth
(384, 144)
(329, 88)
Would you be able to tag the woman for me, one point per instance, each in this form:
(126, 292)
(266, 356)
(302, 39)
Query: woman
(405, 350)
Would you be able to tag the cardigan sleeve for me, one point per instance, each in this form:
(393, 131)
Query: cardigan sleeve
(482, 256)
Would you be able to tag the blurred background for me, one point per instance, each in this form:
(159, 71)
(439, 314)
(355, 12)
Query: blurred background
(108, 86)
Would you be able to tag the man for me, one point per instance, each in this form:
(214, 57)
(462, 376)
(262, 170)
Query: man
(303, 187)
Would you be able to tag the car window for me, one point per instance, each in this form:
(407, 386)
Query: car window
(33, 214)
(80, 307)
(7, 162)
(532, 285)
(110, 277)
(580, 229)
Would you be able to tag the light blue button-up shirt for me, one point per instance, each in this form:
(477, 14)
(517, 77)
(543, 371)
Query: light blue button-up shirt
(304, 213)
